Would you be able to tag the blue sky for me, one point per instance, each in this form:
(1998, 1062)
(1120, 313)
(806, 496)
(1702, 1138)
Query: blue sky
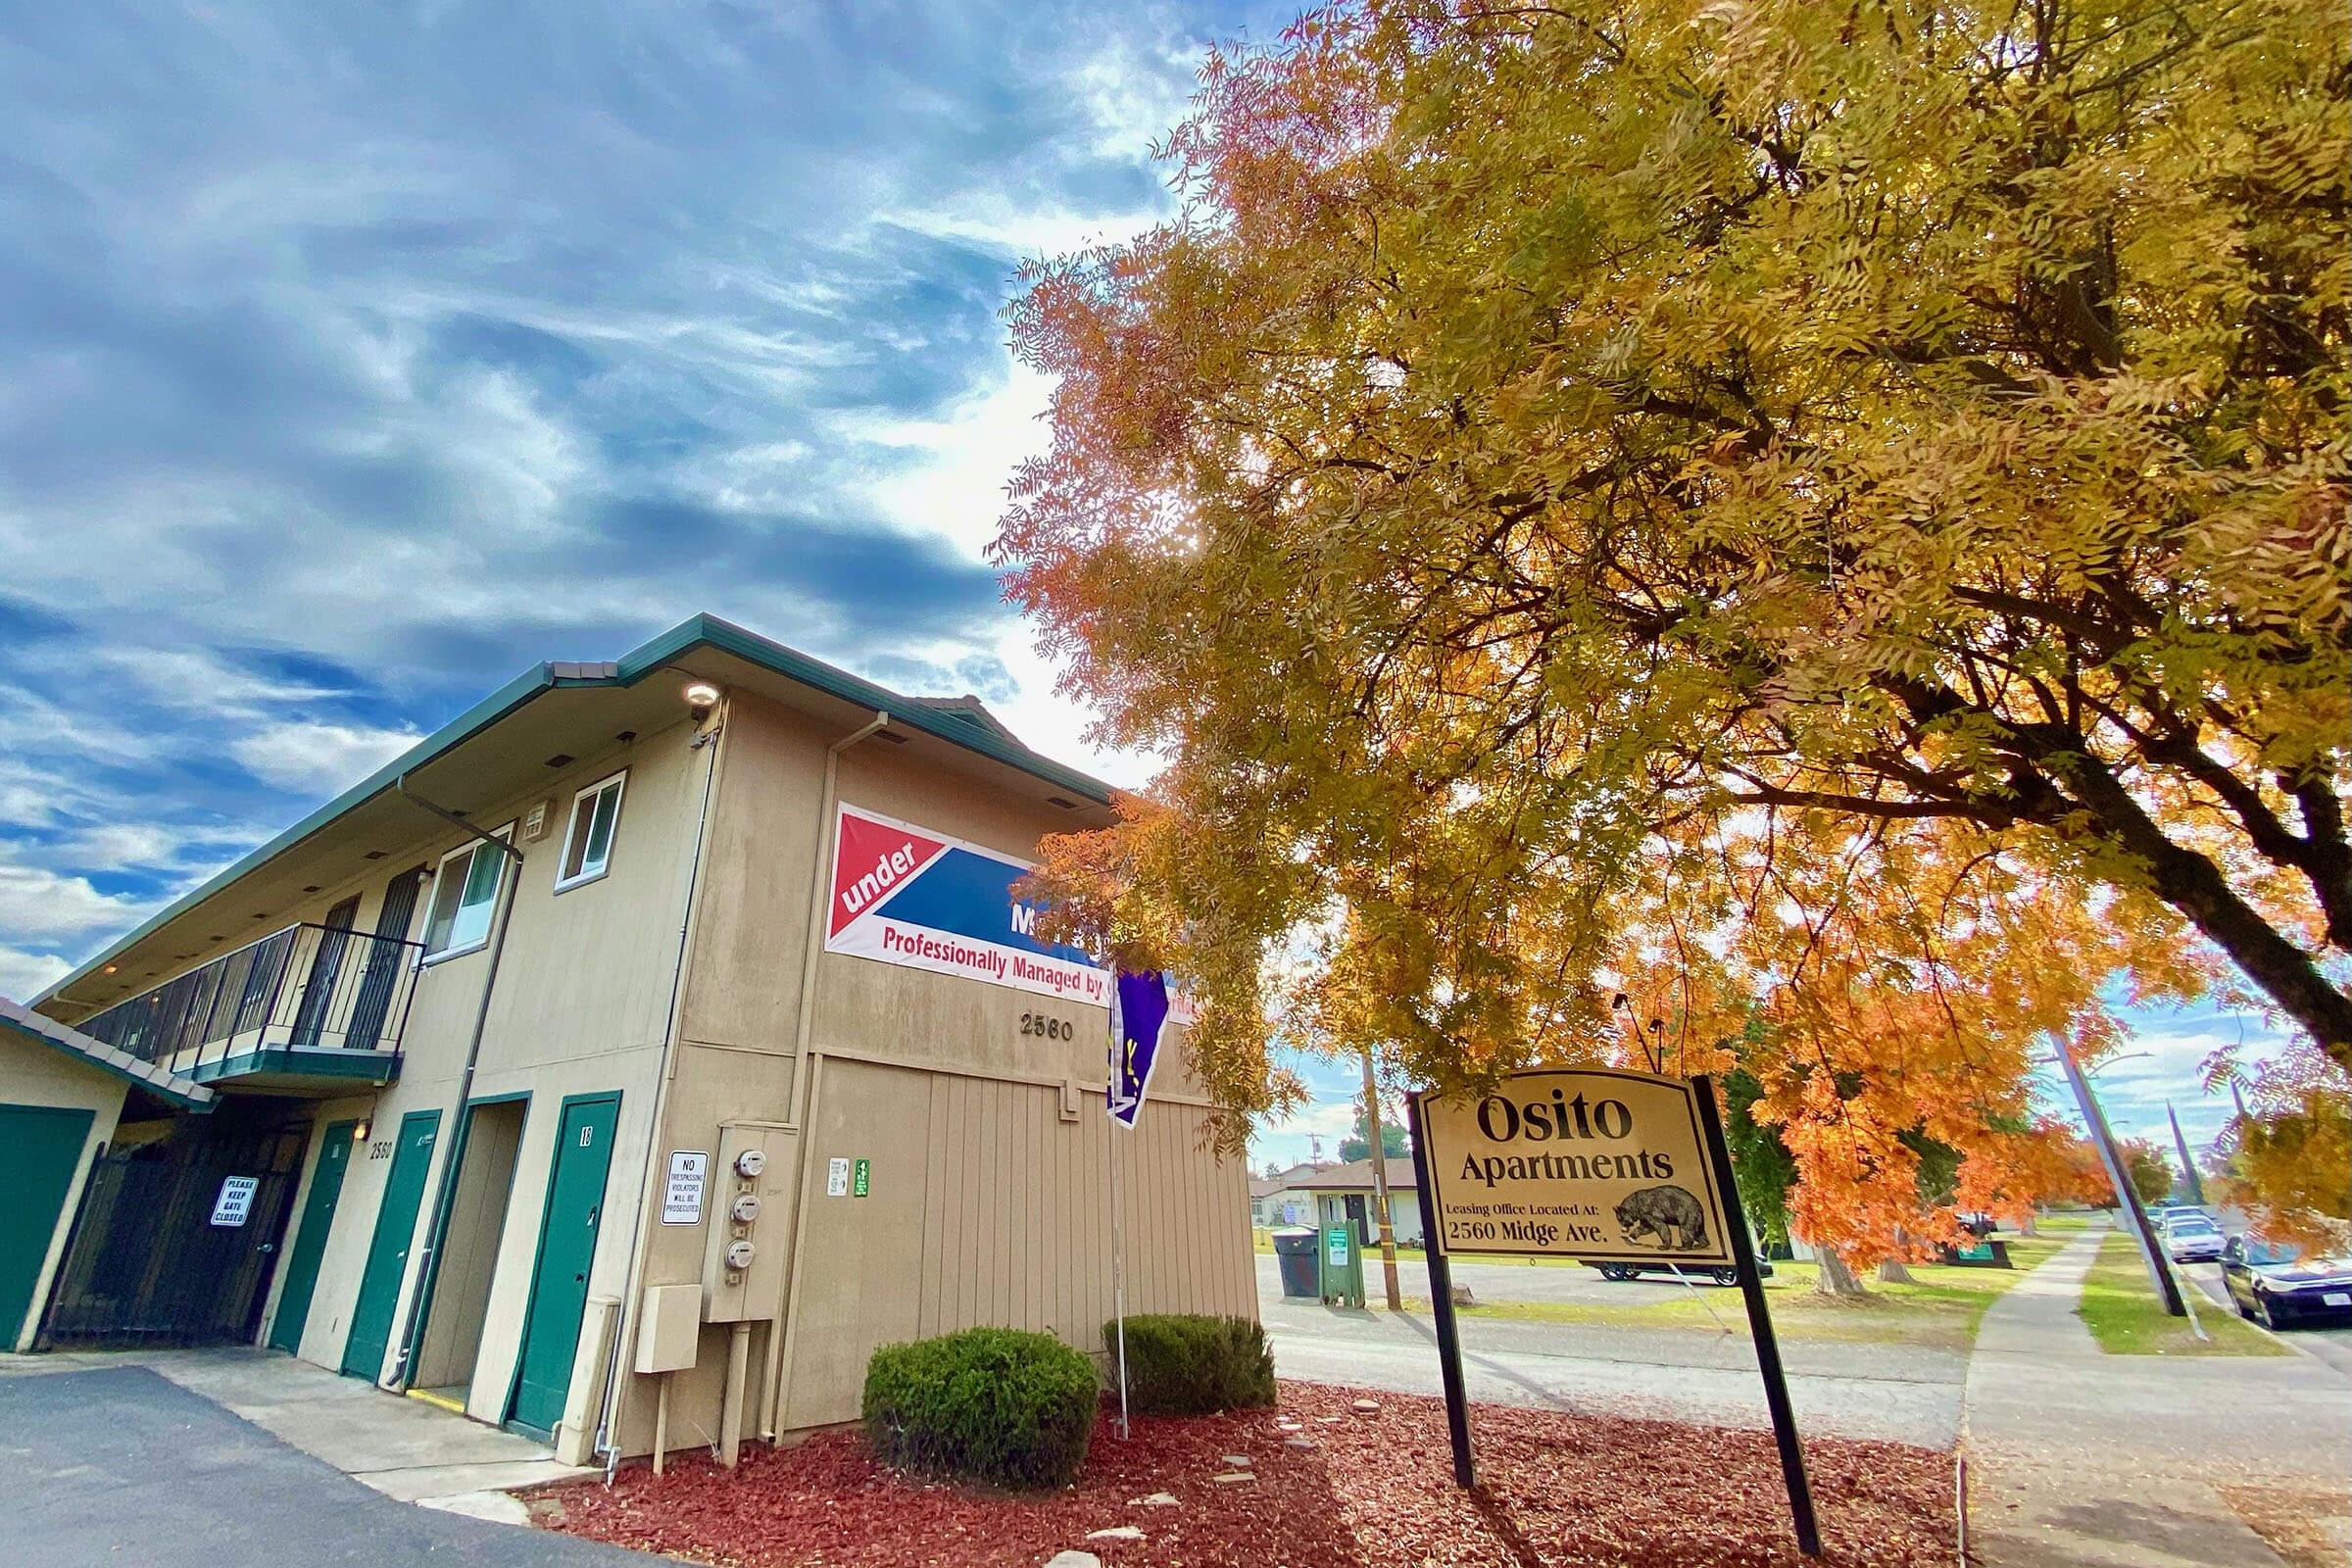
(356, 357)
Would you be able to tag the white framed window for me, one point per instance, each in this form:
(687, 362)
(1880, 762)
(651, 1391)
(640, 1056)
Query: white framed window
(464, 898)
(588, 836)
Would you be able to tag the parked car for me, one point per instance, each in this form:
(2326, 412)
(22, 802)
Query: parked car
(2193, 1239)
(2276, 1285)
(2165, 1218)
(1721, 1276)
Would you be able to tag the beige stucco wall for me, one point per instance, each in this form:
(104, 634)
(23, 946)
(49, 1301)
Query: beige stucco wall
(580, 1006)
(987, 1204)
(989, 1199)
(35, 1075)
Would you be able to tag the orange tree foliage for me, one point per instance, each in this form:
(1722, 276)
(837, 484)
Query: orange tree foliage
(1832, 515)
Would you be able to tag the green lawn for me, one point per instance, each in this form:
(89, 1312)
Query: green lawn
(2062, 1224)
(1941, 1310)
(2120, 1307)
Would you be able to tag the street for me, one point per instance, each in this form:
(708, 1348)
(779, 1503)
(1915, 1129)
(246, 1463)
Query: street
(2077, 1455)
(2331, 1345)
(1895, 1393)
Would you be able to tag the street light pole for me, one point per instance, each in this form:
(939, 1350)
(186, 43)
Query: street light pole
(1380, 1186)
(2126, 1194)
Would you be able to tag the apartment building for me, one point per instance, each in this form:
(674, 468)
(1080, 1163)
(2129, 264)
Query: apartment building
(661, 1031)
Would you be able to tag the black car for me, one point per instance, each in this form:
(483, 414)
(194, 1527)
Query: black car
(2276, 1285)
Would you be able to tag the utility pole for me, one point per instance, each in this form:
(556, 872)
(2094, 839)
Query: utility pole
(1380, 1186)
(2190, 1182)
(2167, 1289)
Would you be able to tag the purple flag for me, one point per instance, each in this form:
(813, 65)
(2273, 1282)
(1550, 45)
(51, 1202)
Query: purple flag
(1139, 1007)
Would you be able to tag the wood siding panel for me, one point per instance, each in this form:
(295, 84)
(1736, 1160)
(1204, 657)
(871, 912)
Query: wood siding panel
(1005, 1219)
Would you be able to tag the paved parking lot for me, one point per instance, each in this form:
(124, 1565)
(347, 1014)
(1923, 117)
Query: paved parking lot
(121, 1465)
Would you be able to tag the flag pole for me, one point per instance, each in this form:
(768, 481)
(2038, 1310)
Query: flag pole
(1118, 1206)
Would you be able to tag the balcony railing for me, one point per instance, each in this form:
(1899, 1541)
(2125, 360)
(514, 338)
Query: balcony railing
(306, 986)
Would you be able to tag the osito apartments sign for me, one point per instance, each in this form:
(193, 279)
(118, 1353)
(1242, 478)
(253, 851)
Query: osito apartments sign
(1591, 1163)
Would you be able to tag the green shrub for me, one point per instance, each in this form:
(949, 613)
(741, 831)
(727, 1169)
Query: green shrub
(1189, 1363)
(996, 1405)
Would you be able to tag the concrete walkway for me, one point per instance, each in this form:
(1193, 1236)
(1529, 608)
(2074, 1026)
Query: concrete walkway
(2078, 1457)
(404, 1448)
(107, 1465)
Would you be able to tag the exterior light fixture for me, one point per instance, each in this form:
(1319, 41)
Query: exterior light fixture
(701, 698)
(359, 1132)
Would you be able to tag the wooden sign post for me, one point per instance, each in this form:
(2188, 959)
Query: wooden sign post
(1602, 1165)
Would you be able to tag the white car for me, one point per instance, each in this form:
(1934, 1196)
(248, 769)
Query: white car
(2193, 1238)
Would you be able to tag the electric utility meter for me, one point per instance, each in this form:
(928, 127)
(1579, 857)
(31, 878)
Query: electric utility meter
(739, 1254)
(751, 1163)
(746, 1208)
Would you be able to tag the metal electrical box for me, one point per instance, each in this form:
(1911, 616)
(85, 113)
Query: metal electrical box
(1342, 1266)
(752, 1185)
(672, 1324)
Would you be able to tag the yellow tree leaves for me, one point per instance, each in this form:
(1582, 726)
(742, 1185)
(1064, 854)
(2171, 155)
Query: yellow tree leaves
(1837, 516)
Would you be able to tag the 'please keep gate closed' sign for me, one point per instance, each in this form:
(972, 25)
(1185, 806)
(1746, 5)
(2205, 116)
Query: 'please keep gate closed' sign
(1588, 1163)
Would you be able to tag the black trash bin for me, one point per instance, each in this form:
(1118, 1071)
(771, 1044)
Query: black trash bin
(1297, 1251)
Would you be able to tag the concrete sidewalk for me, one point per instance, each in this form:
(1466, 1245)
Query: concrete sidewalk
(405, 1448)
(2078, 1458)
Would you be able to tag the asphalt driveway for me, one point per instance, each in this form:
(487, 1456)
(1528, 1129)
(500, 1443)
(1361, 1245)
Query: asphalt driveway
(121, 1465)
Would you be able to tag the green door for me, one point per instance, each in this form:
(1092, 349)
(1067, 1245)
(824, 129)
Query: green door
(575, 1200)
(388, 1253)
(317, 1214)
(40, 1149)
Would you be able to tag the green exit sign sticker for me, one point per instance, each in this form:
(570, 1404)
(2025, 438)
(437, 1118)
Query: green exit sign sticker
(858, 1177)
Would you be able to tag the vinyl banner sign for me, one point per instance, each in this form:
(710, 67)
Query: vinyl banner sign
(921, 900)
(1588, 1163)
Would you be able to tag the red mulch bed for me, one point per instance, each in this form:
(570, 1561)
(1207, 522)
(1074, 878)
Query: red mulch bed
(1379, 1491)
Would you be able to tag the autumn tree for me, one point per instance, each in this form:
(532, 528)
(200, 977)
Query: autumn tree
(1551, 433)
(2151, 1173)
(2288, 1152)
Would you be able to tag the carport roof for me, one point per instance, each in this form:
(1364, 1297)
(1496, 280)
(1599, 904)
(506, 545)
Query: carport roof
(98, 1053)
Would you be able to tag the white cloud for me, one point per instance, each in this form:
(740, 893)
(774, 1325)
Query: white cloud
(311, 757)
(950, 474)
(40, 905)
(23, 975)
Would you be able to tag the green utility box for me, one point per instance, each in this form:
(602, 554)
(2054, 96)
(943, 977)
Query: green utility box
(1340, 1265)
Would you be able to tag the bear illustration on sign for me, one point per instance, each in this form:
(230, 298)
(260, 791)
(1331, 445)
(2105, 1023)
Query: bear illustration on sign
(1668, 1215)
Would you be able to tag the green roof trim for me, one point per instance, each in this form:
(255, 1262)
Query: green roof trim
(24, 1025)
(370, 1066)
(698, 631)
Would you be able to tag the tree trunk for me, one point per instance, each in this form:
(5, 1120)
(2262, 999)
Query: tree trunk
(1893, 1272)
(1837, 1279)
(2032, 1224)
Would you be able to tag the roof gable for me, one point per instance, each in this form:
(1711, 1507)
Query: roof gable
(24, 1025)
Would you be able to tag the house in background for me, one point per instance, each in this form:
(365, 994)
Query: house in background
(1283, 1198)
(664, 1023)
(1342, 1195)
(1327, 1195)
